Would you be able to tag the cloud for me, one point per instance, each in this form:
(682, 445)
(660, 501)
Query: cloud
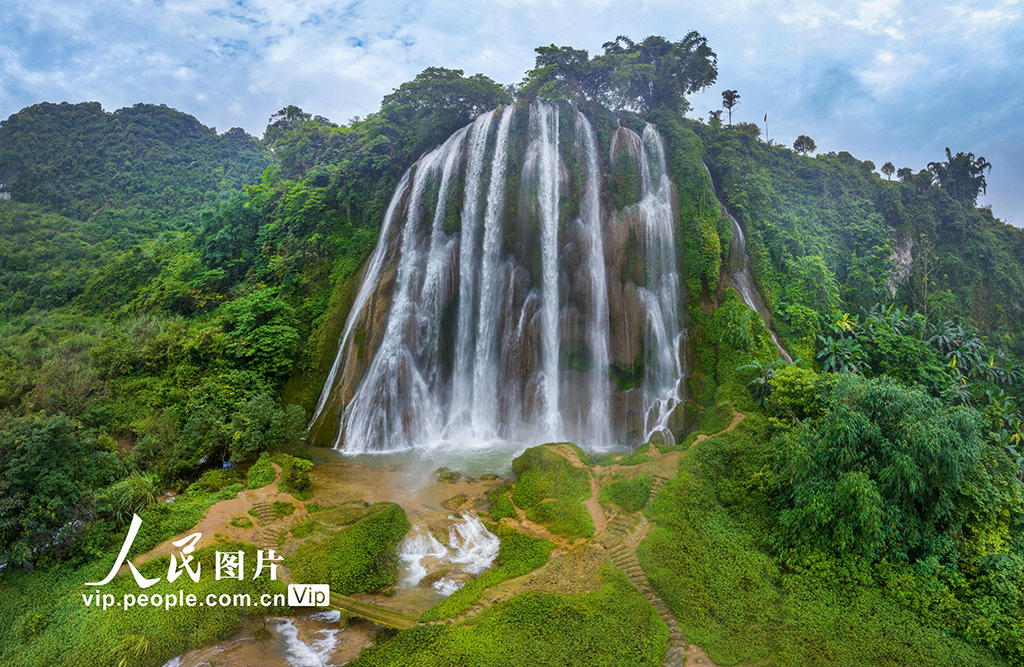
(884, 79)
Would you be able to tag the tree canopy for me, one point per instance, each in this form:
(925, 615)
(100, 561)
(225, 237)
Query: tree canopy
(652, 74)
(961, 175)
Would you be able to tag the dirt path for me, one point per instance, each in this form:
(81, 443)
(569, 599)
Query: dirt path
(216, 521)
(737, 417)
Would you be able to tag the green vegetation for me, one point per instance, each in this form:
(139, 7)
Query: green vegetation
(305, 529)
(638, 457)
(48, 469)
(361, 558)
(261, 473)
(612, 626)
(42, 613)
(133, 171)
(550, 489)
(542, 473)
(500, 506)
(282, 509)
(706, 559)
(563, 516)
(628, 493)
(294, 476)
(517, 555)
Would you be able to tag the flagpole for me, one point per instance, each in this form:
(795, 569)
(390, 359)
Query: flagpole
(766, 129)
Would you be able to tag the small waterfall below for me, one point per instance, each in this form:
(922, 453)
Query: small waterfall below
(470, 551)
(741, 277)
(512, 300)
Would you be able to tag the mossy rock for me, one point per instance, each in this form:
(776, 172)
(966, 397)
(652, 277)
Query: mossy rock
(455, 502)
(361, 558)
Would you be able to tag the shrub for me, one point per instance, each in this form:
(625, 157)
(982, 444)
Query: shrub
(563, 516)
(362, 558)
(629, 494)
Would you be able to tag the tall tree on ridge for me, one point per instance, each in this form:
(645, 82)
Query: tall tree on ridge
(730, 98)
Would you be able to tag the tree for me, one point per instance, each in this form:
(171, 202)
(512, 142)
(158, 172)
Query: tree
(904, 174)
(730, 98)
(804, 145)
(422, 113)
(49, 469)
(657, 73)
(289, 118)
(644, 76)
(961, 175)
(888, 169)
(565, 72)
(882, 473)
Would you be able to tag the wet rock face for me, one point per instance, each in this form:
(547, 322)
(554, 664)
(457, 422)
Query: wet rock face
(902, 261)
(524, 289)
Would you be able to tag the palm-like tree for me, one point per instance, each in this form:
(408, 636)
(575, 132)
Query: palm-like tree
(841, 355)
(760, 385)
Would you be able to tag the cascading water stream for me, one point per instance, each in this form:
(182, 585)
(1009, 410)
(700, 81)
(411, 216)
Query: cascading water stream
(663, 381)
(365, 291)
(394, 404)
(544, 126)
(741, 277)
(598, 415)
(484, 398)
(469, 276)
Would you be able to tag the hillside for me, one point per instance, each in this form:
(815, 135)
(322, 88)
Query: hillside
(172, 300)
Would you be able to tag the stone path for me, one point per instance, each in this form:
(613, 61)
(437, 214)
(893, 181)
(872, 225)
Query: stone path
(624, 532)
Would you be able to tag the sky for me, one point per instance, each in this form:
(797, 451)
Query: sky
(886, 80)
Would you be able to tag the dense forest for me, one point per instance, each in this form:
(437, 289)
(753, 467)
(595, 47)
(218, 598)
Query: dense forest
(171, 299)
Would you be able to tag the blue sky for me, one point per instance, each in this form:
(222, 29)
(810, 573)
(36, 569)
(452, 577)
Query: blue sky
(887, 80)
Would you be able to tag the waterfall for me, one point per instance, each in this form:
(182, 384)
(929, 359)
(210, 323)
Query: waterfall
(469, 277)
(544, 127)
(365, 290)
(505, 290)
(484, 397)
(394, 404)
(663, 378)
(598, 415)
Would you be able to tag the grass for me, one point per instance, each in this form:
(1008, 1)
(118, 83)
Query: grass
(638, 457)
(361, 558)
(500, 505)
(517, 555)
(541, 473)
(44, 621)
(281, 509)
(732, 598)
(305, 529)
(262, 472)
(294, 477)
(629, 494)
(611, 627)
(563, 517)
